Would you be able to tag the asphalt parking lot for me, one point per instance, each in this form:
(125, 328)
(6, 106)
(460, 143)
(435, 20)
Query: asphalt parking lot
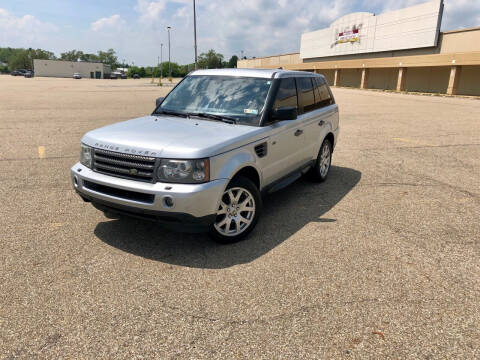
(381, 261)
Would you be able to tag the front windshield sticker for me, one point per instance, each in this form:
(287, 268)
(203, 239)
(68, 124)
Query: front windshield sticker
(250, 111)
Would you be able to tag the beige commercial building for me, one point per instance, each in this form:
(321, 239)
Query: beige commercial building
(402, 50)
(60, 68)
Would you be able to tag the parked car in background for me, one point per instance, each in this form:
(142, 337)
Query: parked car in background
(136, 76)
(18, 72)
(29, 74)
(77, 75)
(118, 75)
(212, 146)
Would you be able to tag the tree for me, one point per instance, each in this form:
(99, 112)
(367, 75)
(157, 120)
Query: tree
(42, 54)
(20, 60)
(23, 58)
(132, 70)
(232, 63)
(210, 60)
(7, 53)
(176, 72)
(89, 57)
(72, 55)
(108, 57)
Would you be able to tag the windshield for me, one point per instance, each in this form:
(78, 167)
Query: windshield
(240, 98)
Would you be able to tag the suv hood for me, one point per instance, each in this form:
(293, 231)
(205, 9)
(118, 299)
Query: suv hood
(172, 137)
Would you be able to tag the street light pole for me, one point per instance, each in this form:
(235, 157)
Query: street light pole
(169, 62)
(161, 60)
(152, 72)
(195, 32)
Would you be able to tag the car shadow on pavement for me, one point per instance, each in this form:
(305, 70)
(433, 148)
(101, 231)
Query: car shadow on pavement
(285, 212)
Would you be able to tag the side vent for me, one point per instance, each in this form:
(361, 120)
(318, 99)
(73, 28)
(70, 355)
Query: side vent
(261, 150)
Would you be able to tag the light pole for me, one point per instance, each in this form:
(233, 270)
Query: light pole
(152, 73)
(169, 62)
(195, 32)
(161, 66)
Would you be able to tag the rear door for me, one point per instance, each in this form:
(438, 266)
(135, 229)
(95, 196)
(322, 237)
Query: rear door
(286, 139)
(326, 114)
(308, 117)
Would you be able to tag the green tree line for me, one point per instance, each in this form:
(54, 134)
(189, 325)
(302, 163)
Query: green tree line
(22, 58)
(17, 58)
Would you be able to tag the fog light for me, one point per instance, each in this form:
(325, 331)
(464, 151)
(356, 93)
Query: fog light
(75, 181)
(168, 201)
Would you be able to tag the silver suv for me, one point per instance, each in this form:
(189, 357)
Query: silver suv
(217, 142)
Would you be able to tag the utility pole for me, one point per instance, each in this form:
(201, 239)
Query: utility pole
(161, 66)
(169, 61)
(153, 80)
(161, 60)
(195, 32)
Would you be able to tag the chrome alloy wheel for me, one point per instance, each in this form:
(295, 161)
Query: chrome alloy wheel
(324, 160)
(236, 212)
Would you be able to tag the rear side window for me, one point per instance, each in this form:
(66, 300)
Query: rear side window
(287, 94)
(306, 99)
(322, 94)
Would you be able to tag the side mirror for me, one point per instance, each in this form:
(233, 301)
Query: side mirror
(285, 113)
(159, 100)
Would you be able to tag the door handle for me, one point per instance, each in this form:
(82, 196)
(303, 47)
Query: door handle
(298, 132)
(321, 123)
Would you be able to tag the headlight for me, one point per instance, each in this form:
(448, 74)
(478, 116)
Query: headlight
(86, 156)
(184, 171)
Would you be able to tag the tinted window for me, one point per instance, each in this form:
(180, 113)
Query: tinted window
(306, 100)
(322, 95)
(287, 94)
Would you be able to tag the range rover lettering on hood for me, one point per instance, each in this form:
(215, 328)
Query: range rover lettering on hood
(125, 150)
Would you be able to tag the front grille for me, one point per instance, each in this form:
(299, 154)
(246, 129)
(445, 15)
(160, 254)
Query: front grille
(128, 166)
(120, 193)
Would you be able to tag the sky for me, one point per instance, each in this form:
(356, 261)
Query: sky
(136, 28)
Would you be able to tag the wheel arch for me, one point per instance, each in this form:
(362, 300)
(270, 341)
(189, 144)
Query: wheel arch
(330, 137)
(250, 173)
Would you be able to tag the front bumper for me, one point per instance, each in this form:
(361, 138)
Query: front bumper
(190, 204)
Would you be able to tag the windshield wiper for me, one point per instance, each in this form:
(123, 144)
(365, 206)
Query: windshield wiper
(224, 118)
(169, 112)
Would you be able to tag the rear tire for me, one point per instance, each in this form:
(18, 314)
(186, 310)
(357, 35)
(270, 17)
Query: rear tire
(238, 212)
(322, 165)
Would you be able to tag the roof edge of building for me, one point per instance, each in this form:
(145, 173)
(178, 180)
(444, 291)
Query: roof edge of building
(269, 56)
(75, 62)
(461, 30)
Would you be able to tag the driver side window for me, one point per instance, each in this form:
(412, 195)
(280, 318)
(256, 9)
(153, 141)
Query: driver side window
(287, 94)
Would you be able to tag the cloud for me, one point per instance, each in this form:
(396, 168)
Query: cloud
(256, 27)
(112, 22)
(265, 27)
(149, 11)
(461, 14)
(25, 31)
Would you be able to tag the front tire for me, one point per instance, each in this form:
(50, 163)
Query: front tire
(238, 212)
(321, 169)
